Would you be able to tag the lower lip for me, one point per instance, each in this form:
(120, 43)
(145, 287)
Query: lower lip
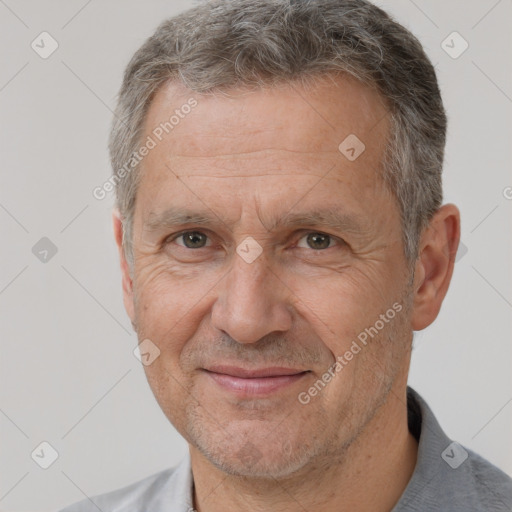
(255, 386)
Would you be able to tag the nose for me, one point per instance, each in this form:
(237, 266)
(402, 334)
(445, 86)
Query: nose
(252, 302)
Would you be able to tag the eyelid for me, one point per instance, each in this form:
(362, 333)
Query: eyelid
(301, 234)
(175, 236)
(338, 241)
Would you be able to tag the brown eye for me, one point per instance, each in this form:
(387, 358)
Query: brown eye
(317, 241)
(192, 239)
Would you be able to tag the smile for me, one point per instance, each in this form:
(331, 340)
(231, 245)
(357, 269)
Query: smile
(254, 382)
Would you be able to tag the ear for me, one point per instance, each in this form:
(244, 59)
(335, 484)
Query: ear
(125, 268)
(434, 266)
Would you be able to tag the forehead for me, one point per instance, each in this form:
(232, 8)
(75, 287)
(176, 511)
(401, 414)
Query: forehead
(288, 116)
(286, 137)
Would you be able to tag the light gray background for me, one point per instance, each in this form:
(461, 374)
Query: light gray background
(68, 374)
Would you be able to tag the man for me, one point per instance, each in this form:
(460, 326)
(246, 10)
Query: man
(281, 235)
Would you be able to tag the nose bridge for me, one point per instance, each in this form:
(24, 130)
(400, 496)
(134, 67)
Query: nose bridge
(250, 302)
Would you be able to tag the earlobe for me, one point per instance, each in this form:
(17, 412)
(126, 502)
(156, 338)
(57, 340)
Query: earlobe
(434, 267)
(127, 282)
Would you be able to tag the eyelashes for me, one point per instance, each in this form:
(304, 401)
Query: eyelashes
(314, 240)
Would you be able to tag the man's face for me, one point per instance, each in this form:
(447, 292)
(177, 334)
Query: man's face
(295, 255)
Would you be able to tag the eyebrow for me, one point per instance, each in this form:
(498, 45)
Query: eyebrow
(326, 216)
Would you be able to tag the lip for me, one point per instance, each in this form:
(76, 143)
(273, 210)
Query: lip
(247, 373)
(261, 381)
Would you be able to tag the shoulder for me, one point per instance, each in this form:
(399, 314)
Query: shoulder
(487, 484)
(171, 485)
(449, 476)
(474, 486)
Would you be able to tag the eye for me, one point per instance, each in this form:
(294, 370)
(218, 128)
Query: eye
(198, 240)
(191, 239)
(317, 241)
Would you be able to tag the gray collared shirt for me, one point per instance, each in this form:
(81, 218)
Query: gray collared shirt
(447, 477)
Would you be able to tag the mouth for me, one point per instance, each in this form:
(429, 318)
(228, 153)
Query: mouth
(254, 382)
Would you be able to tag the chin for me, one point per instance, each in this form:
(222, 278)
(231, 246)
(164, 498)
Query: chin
(250, 462)
(252, 453)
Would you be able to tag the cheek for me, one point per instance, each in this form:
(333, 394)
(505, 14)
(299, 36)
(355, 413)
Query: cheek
(168, 309)
(342, 305)
(164, 295)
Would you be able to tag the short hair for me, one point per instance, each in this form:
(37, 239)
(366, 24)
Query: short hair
(224, 44)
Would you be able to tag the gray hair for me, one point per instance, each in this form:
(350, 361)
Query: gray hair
(222, 44)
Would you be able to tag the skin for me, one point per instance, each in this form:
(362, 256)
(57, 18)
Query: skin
(246, 159)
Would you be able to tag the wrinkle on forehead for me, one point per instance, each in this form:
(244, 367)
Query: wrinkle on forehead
(263, 116)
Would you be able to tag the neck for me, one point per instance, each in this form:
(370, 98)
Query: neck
(370, 475)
